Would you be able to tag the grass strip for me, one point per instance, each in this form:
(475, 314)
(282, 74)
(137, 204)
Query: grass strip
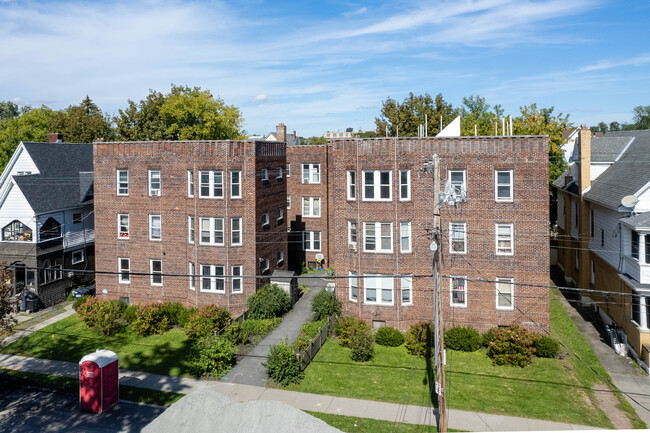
(353, 424)
(71, 386)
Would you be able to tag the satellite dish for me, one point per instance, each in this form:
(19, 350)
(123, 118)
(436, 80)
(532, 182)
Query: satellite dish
(629, 201)
(320, 256)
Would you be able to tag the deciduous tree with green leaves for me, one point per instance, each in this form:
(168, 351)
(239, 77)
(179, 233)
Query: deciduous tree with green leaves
(411, 113)
(31, 125)
(83, 123)
(8, 110)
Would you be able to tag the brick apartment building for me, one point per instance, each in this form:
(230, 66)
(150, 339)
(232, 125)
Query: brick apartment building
(376, 207)
(166, 210)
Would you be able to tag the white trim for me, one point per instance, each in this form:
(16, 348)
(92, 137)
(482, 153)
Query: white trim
(378, 289)
(232, 231)
(312, 240)
(191, 229)
(121, 270)
(463, 183)
(235, 183)
(154, 192)
(212, 231)
(353, 279)
(351, 186)
(152, 271)
(265, 219)
(313, 170)
(376, 185)
(409, 280)
(378, 238)
(505, 280)
(117, 182)
(406, 224)
(511, 184)
(451, 238)
(265, 175)
(213, 278)
(190, 183)
(356, 234)
(278, 172)
(511, 238)
(83, 256)
(451, 290)
(151, 227)
(311, 207)
(191, 269)
(236, 277)
(119, 226)
(408, 185)
(211, 184)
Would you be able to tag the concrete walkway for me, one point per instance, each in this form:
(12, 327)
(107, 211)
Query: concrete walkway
(249, 370)
(462, 420)
(40, 324)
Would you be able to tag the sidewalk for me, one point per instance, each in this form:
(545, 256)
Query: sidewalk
(40, 324)
(249, 370)
(462, 420)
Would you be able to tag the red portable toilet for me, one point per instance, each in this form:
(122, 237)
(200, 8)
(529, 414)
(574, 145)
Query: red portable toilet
(98, 381)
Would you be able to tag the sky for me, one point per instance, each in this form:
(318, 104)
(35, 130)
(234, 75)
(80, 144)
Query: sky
(328, 65)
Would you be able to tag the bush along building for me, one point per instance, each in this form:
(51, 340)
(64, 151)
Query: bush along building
(604, 232)
(367, 206)
(188, 221)
(46, 215)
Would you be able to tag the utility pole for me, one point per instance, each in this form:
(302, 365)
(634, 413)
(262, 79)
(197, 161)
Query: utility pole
(433, 167)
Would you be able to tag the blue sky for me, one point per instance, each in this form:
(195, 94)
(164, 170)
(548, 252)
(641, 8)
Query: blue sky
(328, 65)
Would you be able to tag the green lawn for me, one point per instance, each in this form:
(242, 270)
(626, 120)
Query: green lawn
(353, 424)
(550, 389)
(69, 340)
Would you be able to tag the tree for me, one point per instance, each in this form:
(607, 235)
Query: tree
(366, 134)
(7, 321)
(83, 123)
(314, 140)
(183, 114)
(410, 114)
(8, 110)
(32, 125)
(614, 126)
(642, 117)
(601, 127)
(542, 121)
(475, 111)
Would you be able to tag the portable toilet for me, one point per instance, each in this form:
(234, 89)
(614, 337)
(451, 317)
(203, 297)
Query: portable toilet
(98, 381)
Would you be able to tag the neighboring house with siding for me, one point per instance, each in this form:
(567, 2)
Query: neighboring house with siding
(46, 217)
(602, 243)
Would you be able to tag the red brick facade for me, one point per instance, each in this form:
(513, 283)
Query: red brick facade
(175, 207)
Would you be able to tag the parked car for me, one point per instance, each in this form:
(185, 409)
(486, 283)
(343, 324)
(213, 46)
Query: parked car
(80, 291)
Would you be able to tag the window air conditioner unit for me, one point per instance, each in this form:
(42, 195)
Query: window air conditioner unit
(352, 247)
(156, 193)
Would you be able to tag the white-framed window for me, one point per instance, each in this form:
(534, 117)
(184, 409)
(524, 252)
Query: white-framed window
(378, 237)
(235, 231)
(458, 291)
(212, 279)
(352, 235)
(405, 236)
(311, 173)
(505, 293)
(78, 257)
(236, 281)
(457, 238)
(190, 183)
(288, 169)
(311, 207)
(377, 185)
(264, 265)
(191, 268)
(288, 202)
(265, 219)
(190, 229)
(407, 290)
(457, 178)
(352, 184)
(278, 173)
(211, 184)
(211, 231)
(124, 269)
(354, 286)
(155, 183)
(155, 267)
(280, 214)
(378, 289)
(503, 185)
(265, 174)
(155, 229)
(405, 185)
(504, 239)
(235, 184)
(122, 178)
(311, 241)
(122, 225)
(280, 257)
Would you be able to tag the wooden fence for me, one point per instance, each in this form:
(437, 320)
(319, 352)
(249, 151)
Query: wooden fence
(306, 356)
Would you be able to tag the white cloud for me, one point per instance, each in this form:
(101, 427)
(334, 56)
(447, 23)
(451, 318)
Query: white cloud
(261, 98)
(360, 11)
(610, 64)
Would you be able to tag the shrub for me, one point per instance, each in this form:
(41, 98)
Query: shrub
(270, 301)
(546, 347)
(211, 356)
(102, 316)
(129, 313)
(362, 344)
(488, 337)
(325, 304)
(390, 337)
(419, 339)
(150, 319)
(260, 326)
(345, 326)
(463, 338)
(184, 316)
(512, 346)
(310, 329)
(301, 343)
(80, 301)
(173, 311)
(236, 334)
(282, 365)
(206, 321)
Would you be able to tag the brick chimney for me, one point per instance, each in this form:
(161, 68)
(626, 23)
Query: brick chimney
(55, 137)
(281, 132)
(584, 145)
(294, 136)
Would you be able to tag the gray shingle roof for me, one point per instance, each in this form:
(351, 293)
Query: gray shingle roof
(60, 183)
(608, 147)
(638, 221)
(625, 177)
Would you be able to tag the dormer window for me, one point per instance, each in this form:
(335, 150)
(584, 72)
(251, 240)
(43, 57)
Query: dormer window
(51, 229)
(16, 231)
